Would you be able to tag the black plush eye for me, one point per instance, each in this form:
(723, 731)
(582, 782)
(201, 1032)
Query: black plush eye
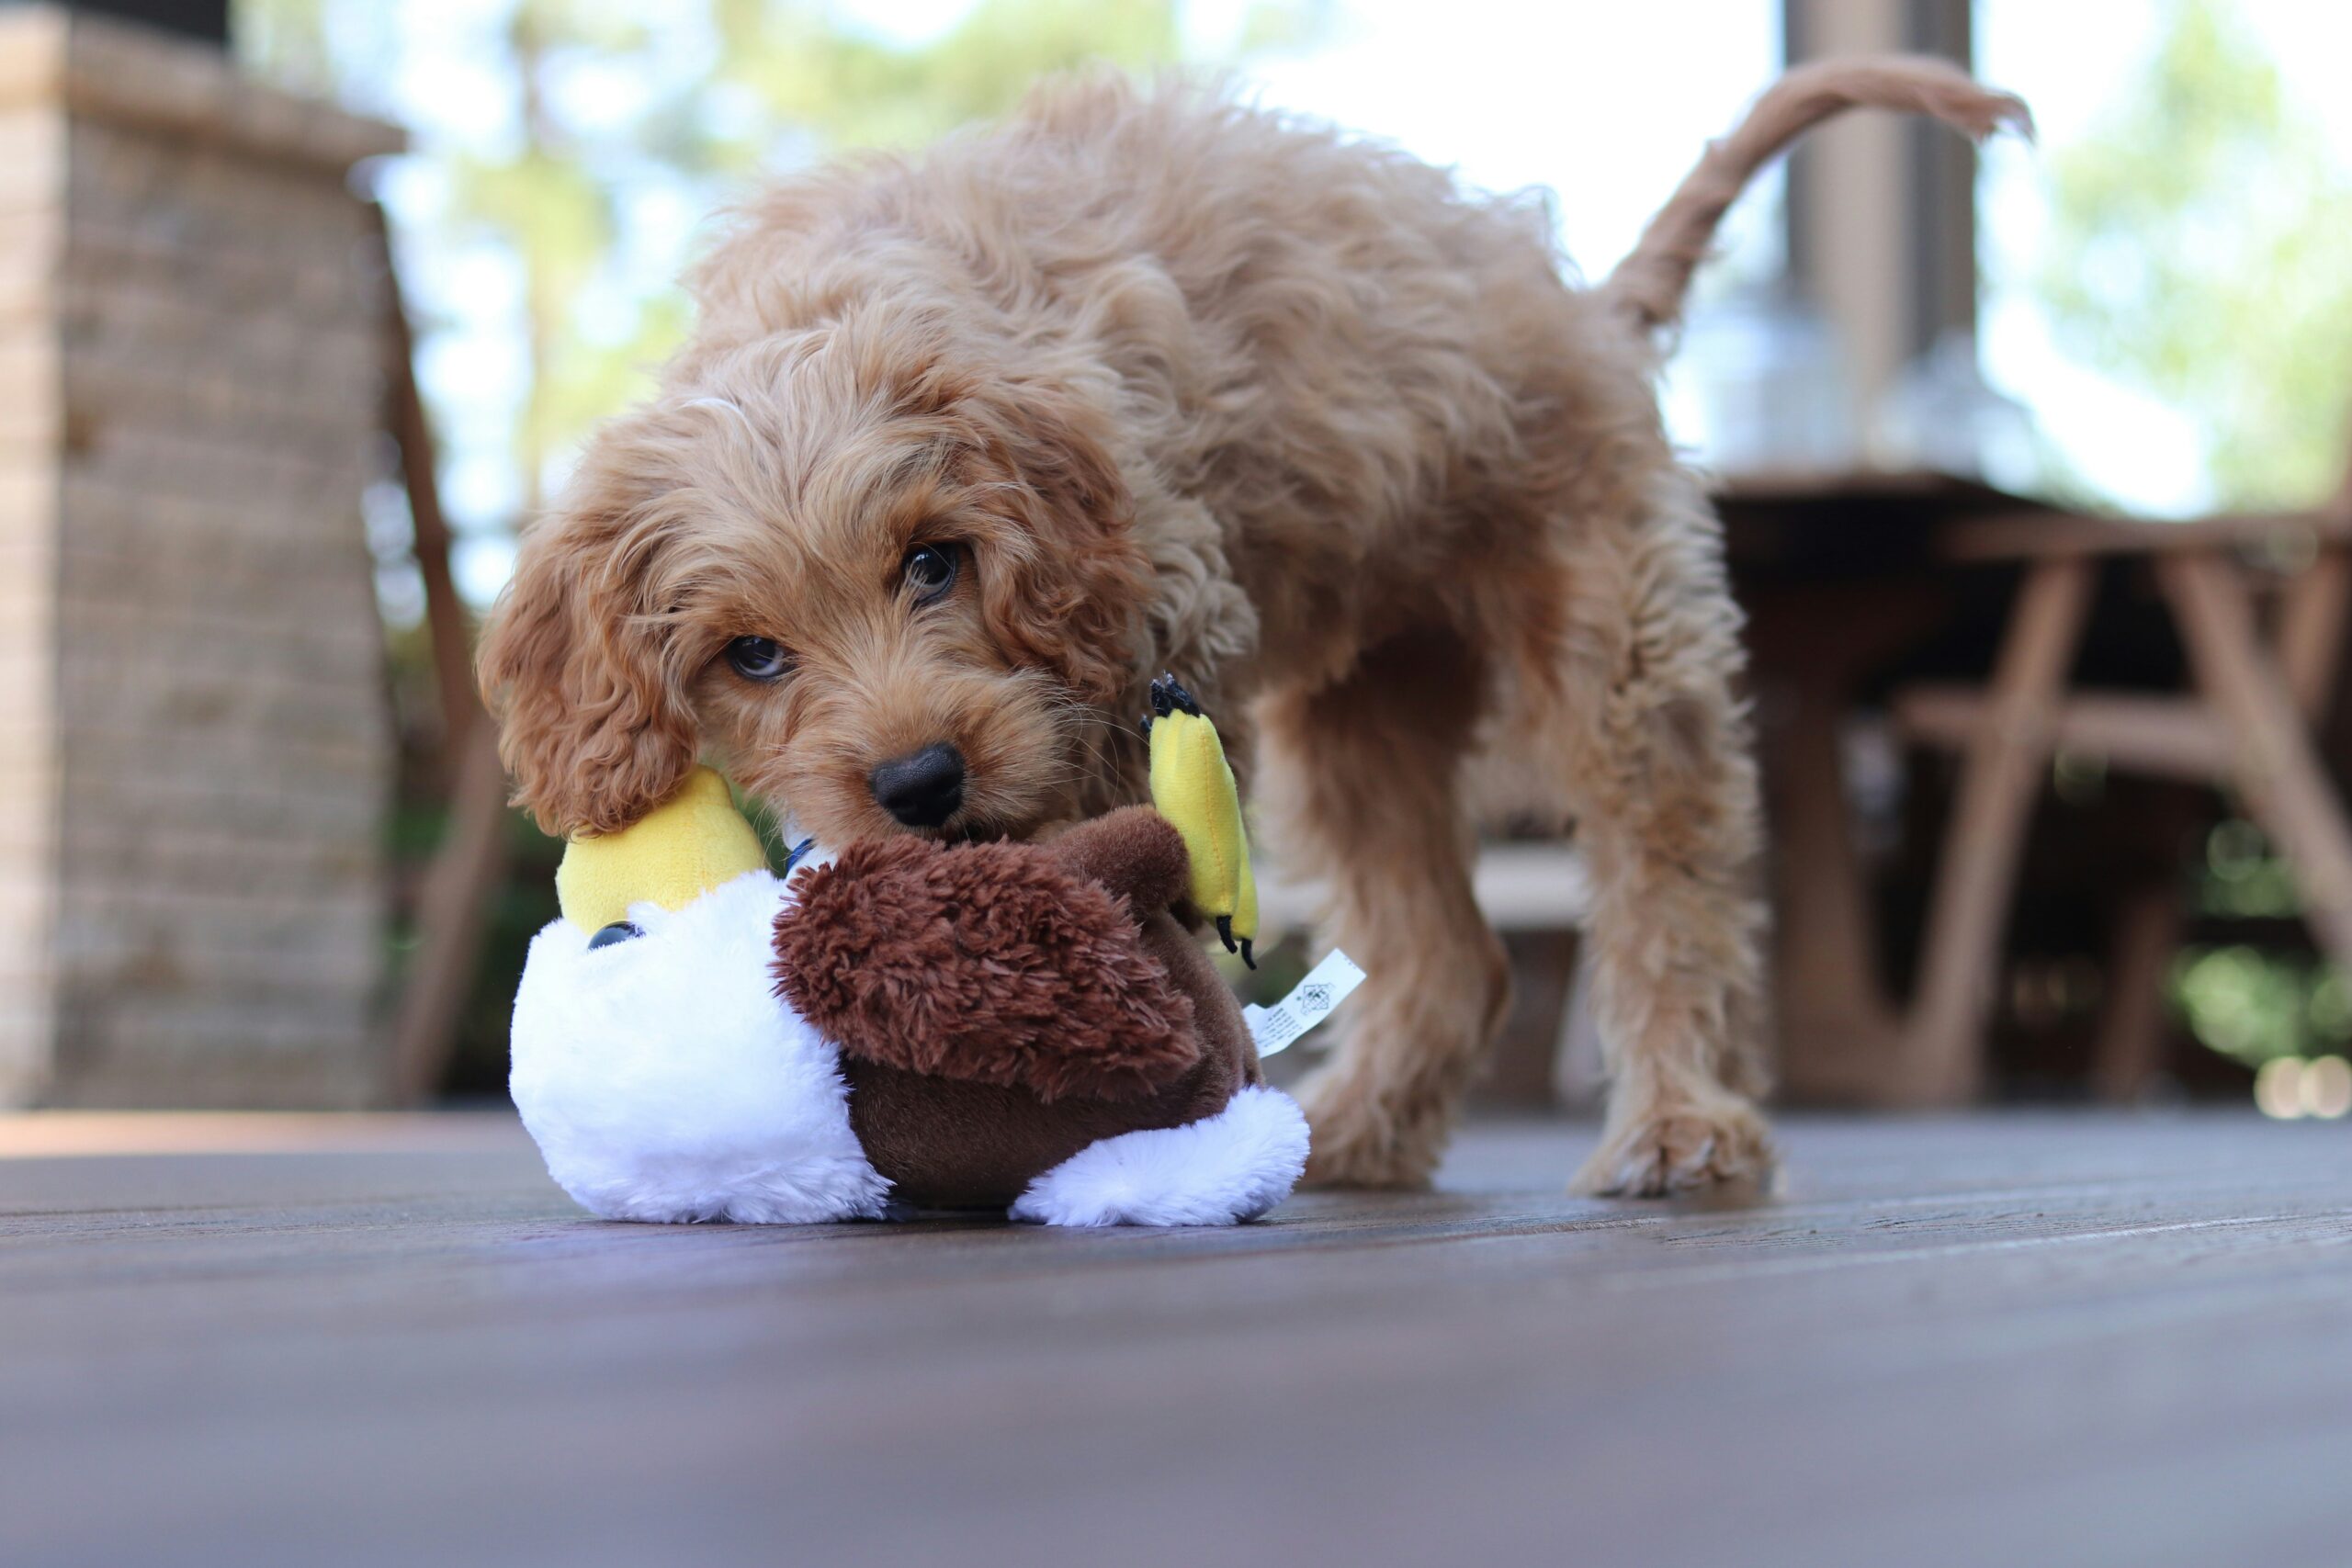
(930, 570)
(758, 658)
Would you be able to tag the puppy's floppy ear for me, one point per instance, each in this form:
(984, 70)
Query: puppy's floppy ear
(1064, 589)
(592, 725)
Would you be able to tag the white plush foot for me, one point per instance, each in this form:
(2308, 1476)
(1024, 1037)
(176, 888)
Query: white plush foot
(665, 1081)
(1220, 1171)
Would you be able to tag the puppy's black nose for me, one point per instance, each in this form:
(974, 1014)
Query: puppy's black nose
(922, 789)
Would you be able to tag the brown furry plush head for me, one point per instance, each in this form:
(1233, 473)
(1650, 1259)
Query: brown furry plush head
(776, 491)
(994, 964)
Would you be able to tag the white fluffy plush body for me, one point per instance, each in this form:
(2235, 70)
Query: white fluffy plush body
(665, 1081)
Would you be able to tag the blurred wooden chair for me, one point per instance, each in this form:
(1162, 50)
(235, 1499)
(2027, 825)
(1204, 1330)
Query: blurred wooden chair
(2259, 605)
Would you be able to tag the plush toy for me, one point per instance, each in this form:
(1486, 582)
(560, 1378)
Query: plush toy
(909, 1024)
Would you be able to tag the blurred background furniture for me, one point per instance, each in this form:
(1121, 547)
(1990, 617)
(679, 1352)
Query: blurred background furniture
(2218, 655)
(2258, 605)
(1840, 580)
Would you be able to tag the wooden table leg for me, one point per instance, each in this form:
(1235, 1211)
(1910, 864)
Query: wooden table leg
(2128, 1054)
(453, 906)
(1839, 1036)
(2311, 629)
(452, 912)
(2278, 770)
(2001, 772)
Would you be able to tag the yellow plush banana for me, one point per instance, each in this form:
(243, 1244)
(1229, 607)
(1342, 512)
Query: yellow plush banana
(1192, 785)
(682, 848)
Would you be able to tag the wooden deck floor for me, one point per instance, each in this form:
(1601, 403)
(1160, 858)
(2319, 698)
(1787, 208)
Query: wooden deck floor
(2045, 1339)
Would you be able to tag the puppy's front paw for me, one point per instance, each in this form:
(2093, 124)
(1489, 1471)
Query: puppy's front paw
(1359, 1143)
(1678, 1149)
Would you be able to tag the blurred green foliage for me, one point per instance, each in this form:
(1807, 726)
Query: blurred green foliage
(2253, 1005)
(2243, 879)
(2200, 250)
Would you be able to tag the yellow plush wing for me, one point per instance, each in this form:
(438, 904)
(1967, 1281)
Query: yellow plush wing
(1192, 785)
(685, 847)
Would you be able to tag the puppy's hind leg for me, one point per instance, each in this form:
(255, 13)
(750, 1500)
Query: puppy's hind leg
(1368, 776)
(1640, 718)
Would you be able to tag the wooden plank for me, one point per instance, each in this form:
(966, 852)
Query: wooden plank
(2039, 535)
(2168, 737)
(1531, 887)
(451, 917)
(57, 1134)
(2088, 1339)
(2285, 785)
(444, 613)
(2126, 1059)
(1838, 1034)
(1903, 489)
(2001, 774)
(2311, 629)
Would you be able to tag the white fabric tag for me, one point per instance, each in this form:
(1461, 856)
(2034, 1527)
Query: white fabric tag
(1310, 1003)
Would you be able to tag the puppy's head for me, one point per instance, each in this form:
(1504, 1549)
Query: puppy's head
(892, 593)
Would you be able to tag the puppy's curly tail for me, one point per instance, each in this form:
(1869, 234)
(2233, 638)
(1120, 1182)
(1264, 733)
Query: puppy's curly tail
(1648, 285)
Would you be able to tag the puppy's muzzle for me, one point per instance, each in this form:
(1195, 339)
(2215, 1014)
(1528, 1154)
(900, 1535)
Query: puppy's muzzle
(922, 789)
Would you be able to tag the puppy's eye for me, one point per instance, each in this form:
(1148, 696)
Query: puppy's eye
(930, 570)
(758, 658)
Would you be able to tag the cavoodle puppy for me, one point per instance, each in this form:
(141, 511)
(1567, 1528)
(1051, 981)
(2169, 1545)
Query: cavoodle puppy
(967, 446)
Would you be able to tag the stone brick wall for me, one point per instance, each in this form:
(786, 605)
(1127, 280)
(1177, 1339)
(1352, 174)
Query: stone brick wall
(32, 162)
(199, 751)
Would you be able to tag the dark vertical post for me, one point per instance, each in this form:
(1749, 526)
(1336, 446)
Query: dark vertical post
(1943, 166)
(206, 20)
(1882, 210)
